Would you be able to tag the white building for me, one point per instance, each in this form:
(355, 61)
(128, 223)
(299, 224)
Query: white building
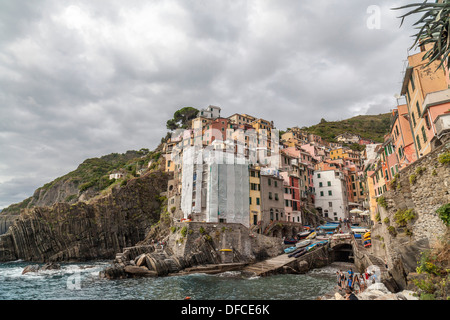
(331, 194)
(210, 112)
(116, 175)
(215, 186)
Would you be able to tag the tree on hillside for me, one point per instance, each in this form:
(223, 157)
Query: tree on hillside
(433, 29)
(181, 118)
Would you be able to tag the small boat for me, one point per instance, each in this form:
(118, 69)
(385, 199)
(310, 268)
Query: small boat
(290, 241)
(289, 250)
(293, 253)
(311, 246)
(303, 235)
(312, 235)
(303, 243)
(300, 253)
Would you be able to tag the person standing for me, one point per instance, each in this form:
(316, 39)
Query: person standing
(362, 283)
(343, 279)
(356, 283)
(373, 277)
(338, 279)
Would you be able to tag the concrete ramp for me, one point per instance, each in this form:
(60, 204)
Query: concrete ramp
(269, 266)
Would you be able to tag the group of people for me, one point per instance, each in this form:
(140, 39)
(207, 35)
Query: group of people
(352, 282)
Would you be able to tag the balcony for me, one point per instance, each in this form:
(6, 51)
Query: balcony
(442, 124)
(435, 98)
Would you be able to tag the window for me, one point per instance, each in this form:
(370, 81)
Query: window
(269, 182)
(386, 174)
(329, 183)
(270, 195)
(330, 193)
(418, 108)
(321, 193)
(250, 200)
(318, 175)
(330, 204)
(320, 184)
(427, 121)
(412, 82)
(276, 196)
(257, 201)
(418, 142)
(424, 134)
(413, 118)
(276, 183)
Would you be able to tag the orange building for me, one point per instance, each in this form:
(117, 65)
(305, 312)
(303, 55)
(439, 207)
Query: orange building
(402, 137)
(420, 85)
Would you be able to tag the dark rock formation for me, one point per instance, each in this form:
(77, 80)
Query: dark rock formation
(45, 267)
(6, 221)
(85, 231)
(192, 247)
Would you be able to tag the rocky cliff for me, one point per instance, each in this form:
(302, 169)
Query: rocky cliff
(83, 231)
(408, 223)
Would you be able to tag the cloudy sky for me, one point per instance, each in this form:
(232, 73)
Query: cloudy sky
(81, 79)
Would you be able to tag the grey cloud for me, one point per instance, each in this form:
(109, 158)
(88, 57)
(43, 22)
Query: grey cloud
(80, 83)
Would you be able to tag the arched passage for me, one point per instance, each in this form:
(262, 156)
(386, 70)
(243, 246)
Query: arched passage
(343, 252)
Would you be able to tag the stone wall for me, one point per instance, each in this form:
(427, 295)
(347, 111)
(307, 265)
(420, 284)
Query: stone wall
(423, 187)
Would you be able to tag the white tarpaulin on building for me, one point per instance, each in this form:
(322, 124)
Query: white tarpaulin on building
(228, 193)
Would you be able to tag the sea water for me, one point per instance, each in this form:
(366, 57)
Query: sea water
(81, 281)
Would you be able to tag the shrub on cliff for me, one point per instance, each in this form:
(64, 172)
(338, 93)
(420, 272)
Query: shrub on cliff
(402, 217)
(444, 213)
(382, 202)
(433, 264)
(444, 158)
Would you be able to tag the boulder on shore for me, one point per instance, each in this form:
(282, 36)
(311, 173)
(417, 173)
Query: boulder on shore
(36, 267)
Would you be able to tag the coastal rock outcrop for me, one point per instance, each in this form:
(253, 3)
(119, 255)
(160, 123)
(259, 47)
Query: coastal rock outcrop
(191, 247)
(376, 291)
(45, 267)
(84, 231)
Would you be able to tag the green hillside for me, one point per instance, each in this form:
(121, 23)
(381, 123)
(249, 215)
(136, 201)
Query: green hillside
(372, 127)
(92, 174)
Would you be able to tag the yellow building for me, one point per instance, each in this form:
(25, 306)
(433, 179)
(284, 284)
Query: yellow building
(238, 118)
(337, 153)
(371, 193)
(417, 83)
(255, 196)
